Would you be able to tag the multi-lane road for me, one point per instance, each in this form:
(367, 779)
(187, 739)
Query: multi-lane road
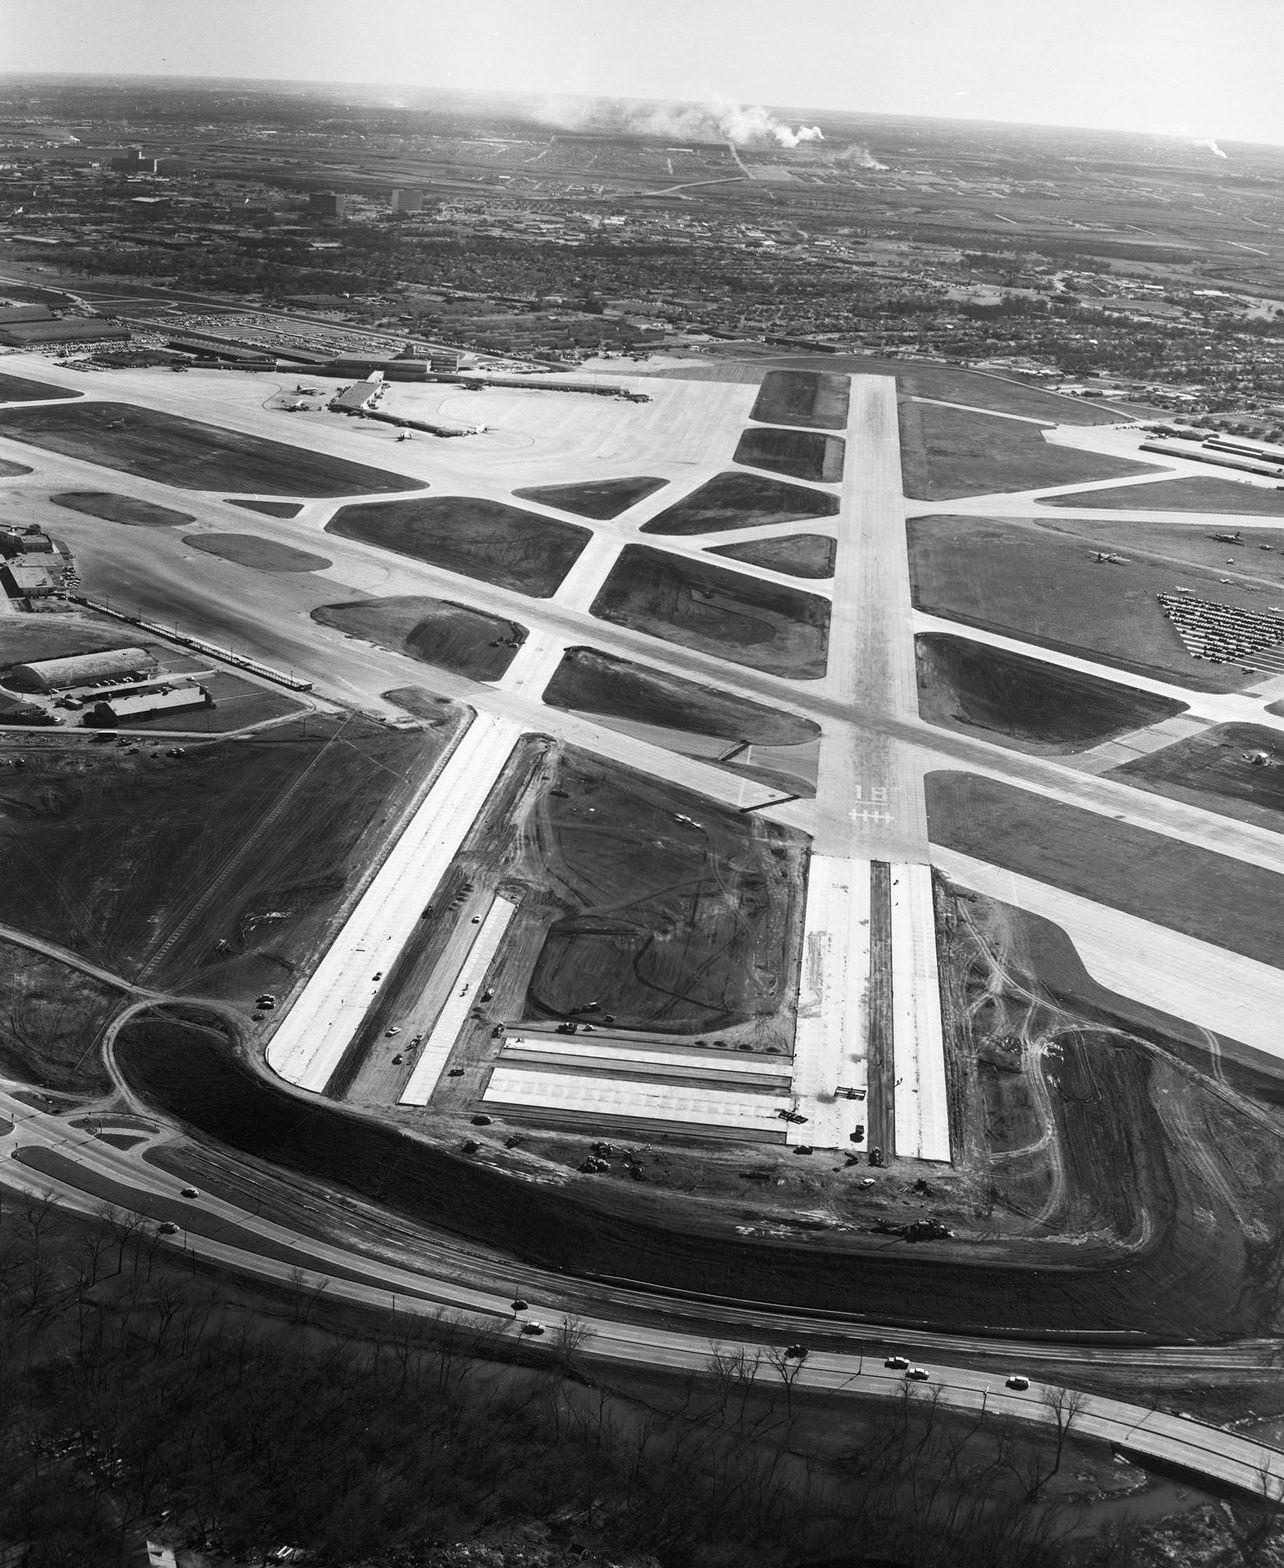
(868, 810)
(645, 1336)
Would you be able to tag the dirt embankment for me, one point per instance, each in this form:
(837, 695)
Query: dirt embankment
(1170, 1284)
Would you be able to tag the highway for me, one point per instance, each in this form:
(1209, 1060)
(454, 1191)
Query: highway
(377, 1284)
(874, 753)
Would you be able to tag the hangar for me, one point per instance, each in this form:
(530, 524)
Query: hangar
(80, 669)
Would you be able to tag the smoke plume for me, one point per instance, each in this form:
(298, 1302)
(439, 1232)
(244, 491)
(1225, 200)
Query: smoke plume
(717, 121)
(1209, 144)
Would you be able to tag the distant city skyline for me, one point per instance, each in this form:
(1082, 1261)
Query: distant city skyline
(1199, 69)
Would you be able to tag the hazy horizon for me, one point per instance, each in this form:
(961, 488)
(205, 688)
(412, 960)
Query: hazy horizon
(1189, 69)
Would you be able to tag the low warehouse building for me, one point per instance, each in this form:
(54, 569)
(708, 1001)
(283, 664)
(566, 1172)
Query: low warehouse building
(80, 669)
(121, 708)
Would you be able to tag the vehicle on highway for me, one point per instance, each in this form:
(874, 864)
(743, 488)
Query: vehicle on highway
(167, 1228)
(532, 1328)
(190, 1192)
(897, 1363)
(795, 1352)
(388, 1033)
(917, 1375)
(1017, 1381)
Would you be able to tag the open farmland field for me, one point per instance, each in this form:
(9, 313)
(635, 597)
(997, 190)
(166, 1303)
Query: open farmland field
(271, 508)
(599, 499)
(587, 681)
(673, 913)
(949, 452)
(801, 454)
(52, 1016)
(1216, 771)
(120, 509)
(1182, 545)
(219, 871)
(1239, 906)
(1048, 589)
(766, 625)
(451, 636)
(1028, 704)
(499, 544)
(798, 555)
(741, 501)
(20, 389)
(1179, 495)
(1175, 1287)
(265, 555)
(810, 398)
(189, 454)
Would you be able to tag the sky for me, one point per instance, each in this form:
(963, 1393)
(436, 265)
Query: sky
(1195, 68)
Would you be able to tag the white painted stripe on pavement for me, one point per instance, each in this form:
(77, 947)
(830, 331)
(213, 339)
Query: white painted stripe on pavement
(922, 1109)
(436, 1049)
(315, 1033)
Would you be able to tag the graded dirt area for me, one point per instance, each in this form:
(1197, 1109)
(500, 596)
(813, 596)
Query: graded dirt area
(1235, 769)
(1028, 704)
(217, 871)
(265, 555)
(766, 625)
(741, 501)
(499, 544)
(1048, 588)
(802, 454)
(1230, 903)
(948, 452)
(1180, 495)
(810, 398)
(20, 389)
(271, 508)
(126, 509)
(453, 636)
(1168, 1285)
(191, 455)
(670, 912)
(1038, 956)
(591, 682)
(1059, 1090)
(52, 1015)
(599, 499)
(798, 555)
